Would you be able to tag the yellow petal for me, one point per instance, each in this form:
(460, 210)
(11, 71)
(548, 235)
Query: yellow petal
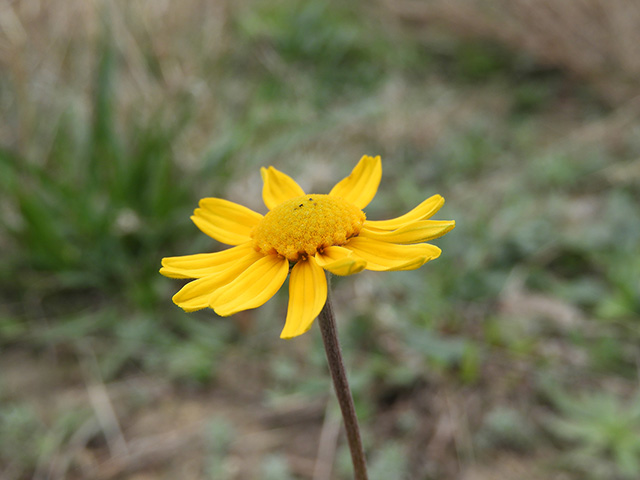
(225, 221)
(278, 187)
(382, 256)
(307, 296)
(361, 185)
(423, 211)
(340, 261)
(204, 264)
(195, 295)
(251, 288)
(414, 232)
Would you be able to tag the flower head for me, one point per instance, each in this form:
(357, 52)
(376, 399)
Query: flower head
(302, 234)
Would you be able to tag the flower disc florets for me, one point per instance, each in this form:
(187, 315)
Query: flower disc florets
(305, 225)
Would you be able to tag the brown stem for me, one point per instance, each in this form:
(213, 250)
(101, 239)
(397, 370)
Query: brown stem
(329, 331)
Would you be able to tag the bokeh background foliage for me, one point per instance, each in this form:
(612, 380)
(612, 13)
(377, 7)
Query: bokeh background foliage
(513, 355)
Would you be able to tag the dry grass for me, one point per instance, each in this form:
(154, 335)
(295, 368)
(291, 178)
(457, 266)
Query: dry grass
(49, 53)
(597, 40)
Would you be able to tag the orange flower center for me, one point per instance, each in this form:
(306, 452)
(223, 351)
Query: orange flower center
(305, 225)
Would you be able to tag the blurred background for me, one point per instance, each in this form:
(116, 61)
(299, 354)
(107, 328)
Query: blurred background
(514, 355)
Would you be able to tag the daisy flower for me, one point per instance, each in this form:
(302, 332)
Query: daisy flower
(302, 235)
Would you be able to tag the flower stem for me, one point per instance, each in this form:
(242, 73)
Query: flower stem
(329, 331)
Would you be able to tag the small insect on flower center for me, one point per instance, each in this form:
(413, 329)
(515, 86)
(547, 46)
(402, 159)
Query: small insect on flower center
(305, 225)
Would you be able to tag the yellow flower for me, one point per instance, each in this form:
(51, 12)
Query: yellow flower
(305, 233)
